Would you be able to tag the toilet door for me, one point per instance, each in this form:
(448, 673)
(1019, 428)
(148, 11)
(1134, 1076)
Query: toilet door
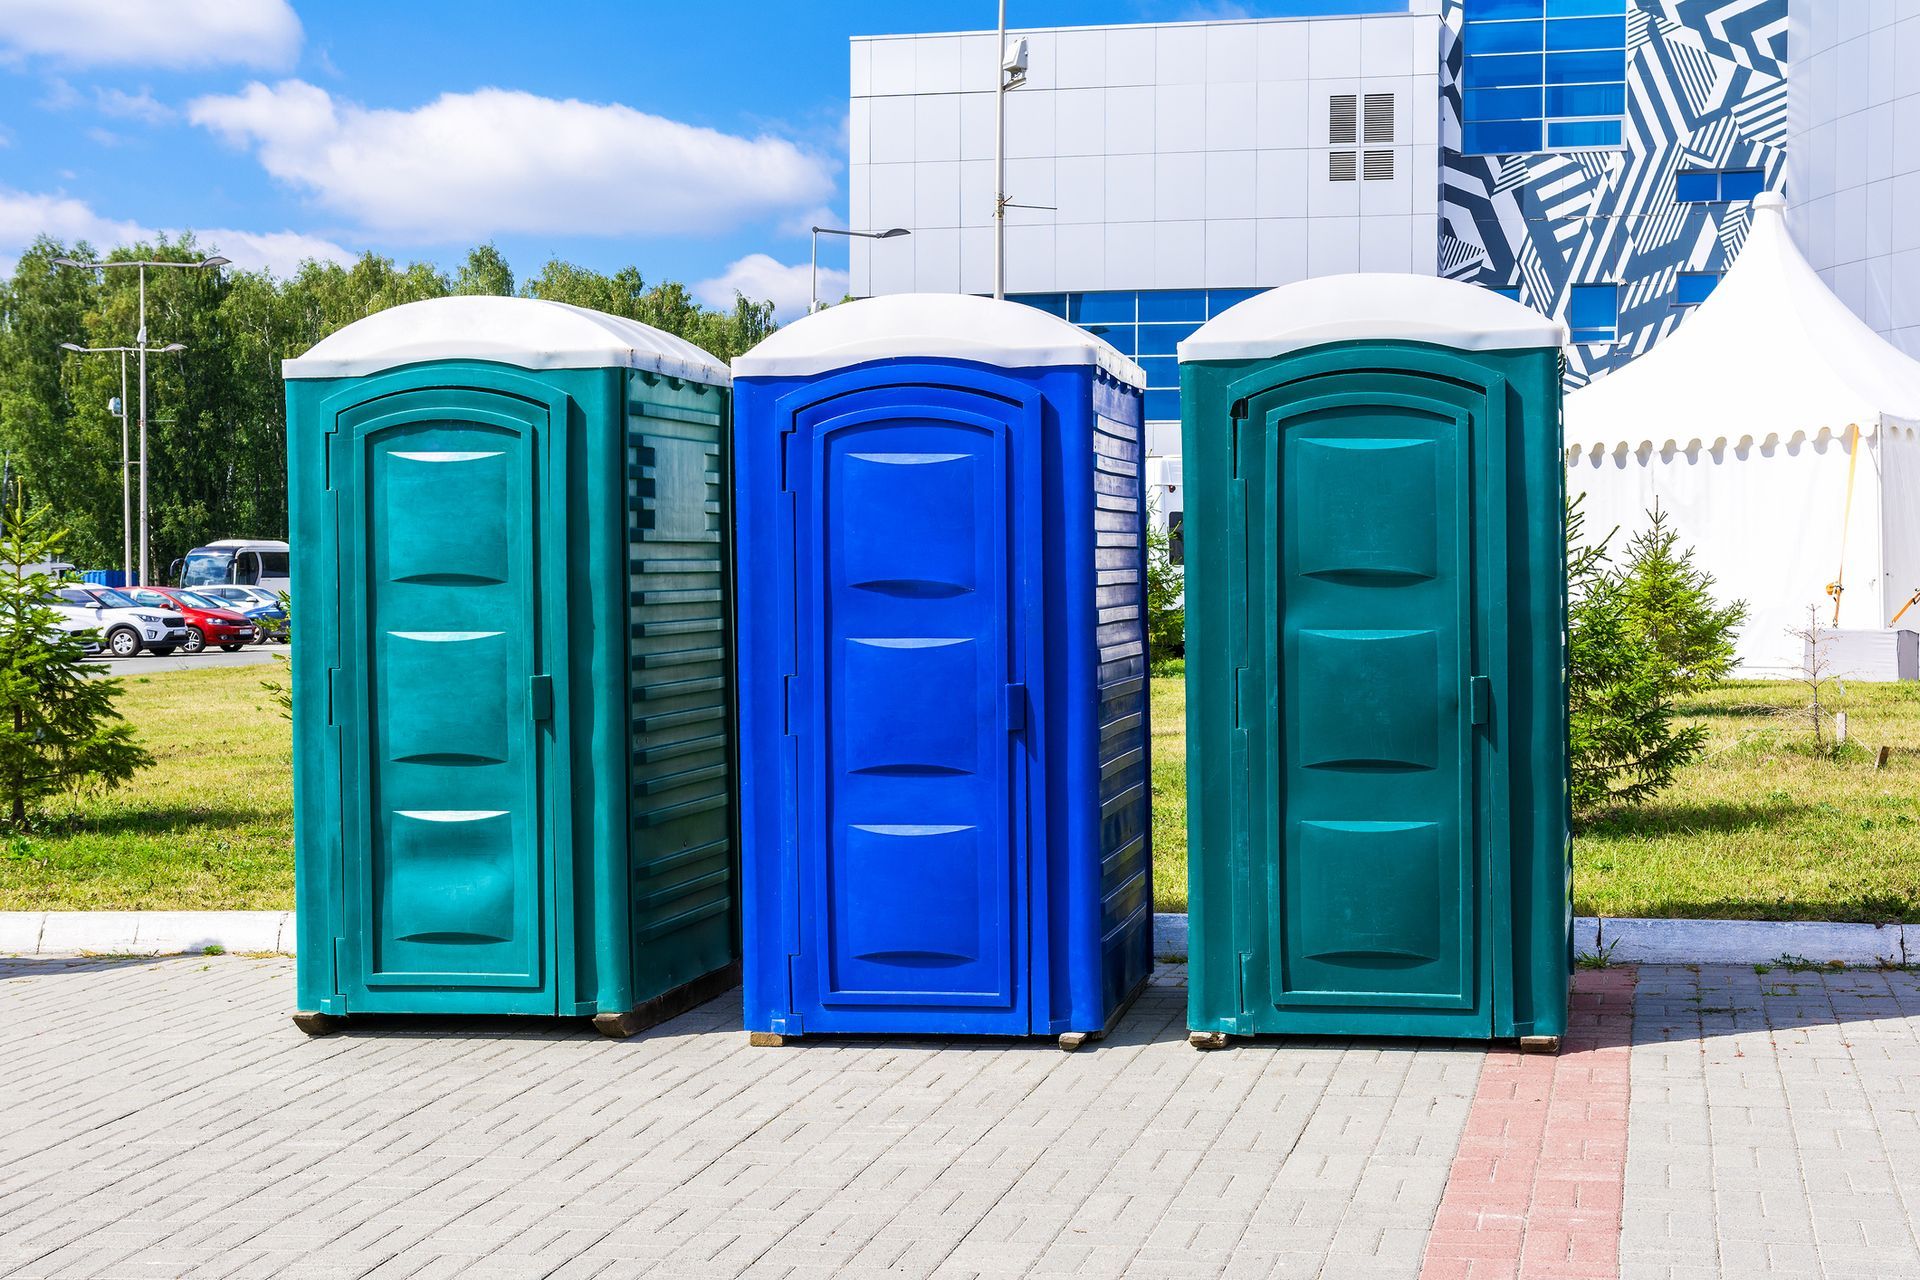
(444, 704)
(911, 561)
(1371, 638)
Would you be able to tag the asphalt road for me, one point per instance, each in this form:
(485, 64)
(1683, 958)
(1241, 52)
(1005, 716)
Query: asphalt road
(142, 663)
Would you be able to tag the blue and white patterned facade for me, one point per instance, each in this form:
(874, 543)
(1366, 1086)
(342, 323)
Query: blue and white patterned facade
(1706, 89)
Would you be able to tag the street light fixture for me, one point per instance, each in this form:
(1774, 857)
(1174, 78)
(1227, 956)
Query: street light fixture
(119, 409)
(891, 233)
(140, 340)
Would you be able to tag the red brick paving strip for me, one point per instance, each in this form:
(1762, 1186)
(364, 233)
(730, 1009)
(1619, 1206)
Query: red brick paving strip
(1535, 1189)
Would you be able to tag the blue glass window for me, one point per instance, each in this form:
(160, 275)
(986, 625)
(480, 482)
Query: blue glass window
(1704, 186)
(1511, 292)
(1587, 33)
(1219, 300)
(1583, 133)
(1163, 339)
(1501, 137)
(1054, 304)
(1517, 98)
(1119, 335)
(1101, 308)
(1162, 371)
(1173, 304)
(1695, 287)
(1163, 405)
(1593, 312)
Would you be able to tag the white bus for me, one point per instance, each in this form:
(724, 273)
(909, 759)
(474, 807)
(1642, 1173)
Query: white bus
(244, 562)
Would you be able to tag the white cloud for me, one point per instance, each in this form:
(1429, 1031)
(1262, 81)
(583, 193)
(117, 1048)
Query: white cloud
(140, 106)
(180, 33)
(472, 165)
(763, 279)
(24, 215)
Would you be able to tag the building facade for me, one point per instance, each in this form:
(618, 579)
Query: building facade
(1853, 172)
(1595, 159)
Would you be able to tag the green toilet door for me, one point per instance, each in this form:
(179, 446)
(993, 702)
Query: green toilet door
(448, 854)
(1367, 644)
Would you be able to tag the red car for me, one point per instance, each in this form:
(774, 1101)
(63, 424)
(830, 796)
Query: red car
(209, 621)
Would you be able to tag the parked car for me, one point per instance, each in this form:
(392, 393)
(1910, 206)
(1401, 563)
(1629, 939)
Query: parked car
(258, 603)
(209, 621)
(125, 627)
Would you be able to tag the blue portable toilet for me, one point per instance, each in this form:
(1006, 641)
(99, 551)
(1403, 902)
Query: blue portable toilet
(943, 674)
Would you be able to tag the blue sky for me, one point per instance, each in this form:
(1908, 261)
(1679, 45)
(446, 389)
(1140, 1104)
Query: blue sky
(695, 141)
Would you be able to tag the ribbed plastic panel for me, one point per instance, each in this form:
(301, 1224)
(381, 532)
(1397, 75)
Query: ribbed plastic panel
(680, 620)
(1120, 601)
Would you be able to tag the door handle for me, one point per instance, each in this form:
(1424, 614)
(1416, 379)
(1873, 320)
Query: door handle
(1479, 695)
(540, 697)
(1016, 708)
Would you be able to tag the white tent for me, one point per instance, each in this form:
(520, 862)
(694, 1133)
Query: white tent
(1778, 431)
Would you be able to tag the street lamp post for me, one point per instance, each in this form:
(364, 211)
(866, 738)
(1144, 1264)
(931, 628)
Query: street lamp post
(120, 409)
(140, 340)
(1010, 74)
(891, 233)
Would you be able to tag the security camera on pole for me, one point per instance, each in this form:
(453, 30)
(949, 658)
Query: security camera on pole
(140, 341)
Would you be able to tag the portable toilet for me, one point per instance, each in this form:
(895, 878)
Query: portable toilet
(514, 774)
(1376, 665)
(943, 673)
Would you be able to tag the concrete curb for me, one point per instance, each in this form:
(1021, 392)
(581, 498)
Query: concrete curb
(1623, 941)
(1628, 941)
(143, 933)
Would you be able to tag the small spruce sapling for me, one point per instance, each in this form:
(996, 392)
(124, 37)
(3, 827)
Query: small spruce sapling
(59, 729)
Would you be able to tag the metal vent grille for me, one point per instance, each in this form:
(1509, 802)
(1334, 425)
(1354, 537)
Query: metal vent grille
(1340, 166)
(1377, 166)
(1343, 119)
(1379, 124)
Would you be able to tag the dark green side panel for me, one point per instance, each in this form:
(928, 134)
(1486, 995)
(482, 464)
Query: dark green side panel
(1375, 666)
(680, 650)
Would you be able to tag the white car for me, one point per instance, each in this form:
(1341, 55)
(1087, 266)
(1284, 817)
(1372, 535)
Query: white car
(125, 628)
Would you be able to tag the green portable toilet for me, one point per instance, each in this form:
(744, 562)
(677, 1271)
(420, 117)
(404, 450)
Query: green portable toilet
(1376, 665)
(514, 781)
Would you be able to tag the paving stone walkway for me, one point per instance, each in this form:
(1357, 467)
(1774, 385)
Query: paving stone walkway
(161, 1118)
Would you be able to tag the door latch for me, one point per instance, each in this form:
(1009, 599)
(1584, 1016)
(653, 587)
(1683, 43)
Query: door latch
(1479, 694)
(1016, 708)
(540, 697)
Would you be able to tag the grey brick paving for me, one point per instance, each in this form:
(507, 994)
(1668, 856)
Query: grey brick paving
(1775, 1125)
(162, 1118)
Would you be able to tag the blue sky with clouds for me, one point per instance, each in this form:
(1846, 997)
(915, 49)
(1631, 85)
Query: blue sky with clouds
(697, 141)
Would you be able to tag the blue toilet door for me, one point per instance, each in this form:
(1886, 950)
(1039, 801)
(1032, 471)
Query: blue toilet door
(911, 563)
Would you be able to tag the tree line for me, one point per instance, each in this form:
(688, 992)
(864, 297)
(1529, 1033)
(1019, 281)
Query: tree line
(217, 427)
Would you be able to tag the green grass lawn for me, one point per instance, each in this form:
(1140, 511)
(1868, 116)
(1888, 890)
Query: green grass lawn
(1762, 827)
(210, 826)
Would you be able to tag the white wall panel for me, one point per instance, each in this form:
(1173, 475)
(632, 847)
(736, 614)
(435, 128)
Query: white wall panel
(1282, 117)
(1232, 53)
(890, 130)
(1180, 186)
(1180, 117)
(1083, 58)
(1130, 55)
(1280, 183)
(1080, 189)
(936, 259)
(1179, 254)
(1080, 122)
(1230, 116)
(936, 64)
(1232, 253)
(1130, 255)
(1281, 245)
(936, 128)
(890, 195)
(1230, 185)
(1284, 51)
(1180, 55)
